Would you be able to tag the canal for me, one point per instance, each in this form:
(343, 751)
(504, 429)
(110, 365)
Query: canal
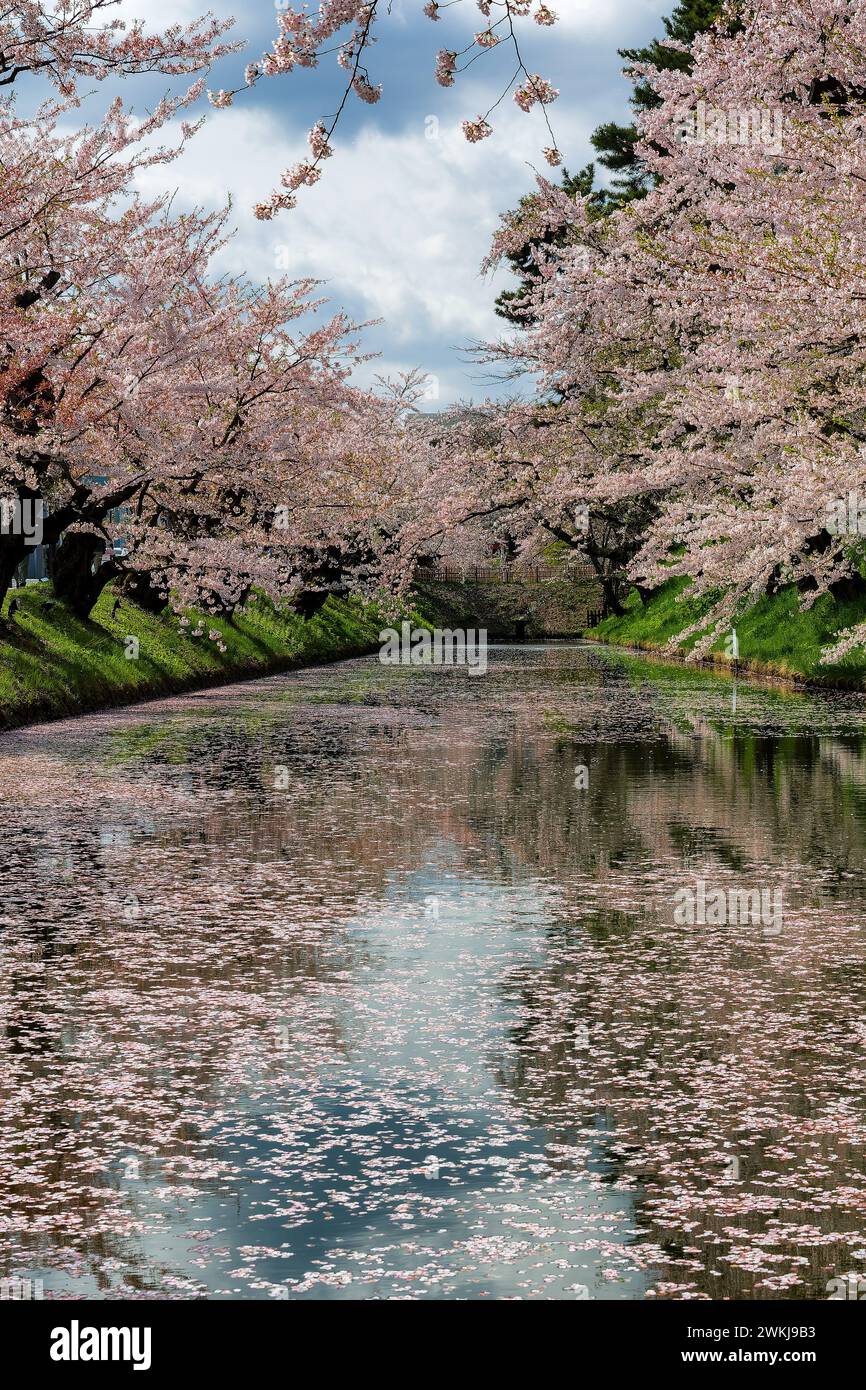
(376, 982)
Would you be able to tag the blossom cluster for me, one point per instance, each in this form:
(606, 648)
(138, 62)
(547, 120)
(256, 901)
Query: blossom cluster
(535, 89)
(446, 62)
(477, 130)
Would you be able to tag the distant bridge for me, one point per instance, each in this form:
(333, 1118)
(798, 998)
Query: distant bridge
(508, 574)
(528, 601)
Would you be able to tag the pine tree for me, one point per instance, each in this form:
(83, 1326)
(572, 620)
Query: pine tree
(614, 143)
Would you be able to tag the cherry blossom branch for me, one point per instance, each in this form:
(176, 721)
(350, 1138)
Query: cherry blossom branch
(302, 40)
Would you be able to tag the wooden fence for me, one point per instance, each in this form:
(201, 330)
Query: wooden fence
(507, 574)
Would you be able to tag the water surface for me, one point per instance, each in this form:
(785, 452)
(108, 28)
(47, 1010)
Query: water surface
(367, 982)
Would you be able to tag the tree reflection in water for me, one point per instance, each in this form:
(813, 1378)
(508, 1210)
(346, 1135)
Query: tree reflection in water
(414, 1018)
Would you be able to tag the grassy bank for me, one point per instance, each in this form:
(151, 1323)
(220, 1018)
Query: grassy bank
(775, 637)
(52, 664)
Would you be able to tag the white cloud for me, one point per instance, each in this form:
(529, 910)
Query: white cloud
(400, 222)
(580, 15)
(602, 16)
(587, 18)
(159, 14)
(397, 227)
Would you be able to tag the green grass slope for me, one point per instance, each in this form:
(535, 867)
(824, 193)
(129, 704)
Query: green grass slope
(52, 664)
(776, 637)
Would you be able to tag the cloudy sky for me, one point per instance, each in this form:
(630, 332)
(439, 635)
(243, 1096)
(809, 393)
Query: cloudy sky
(403, 215)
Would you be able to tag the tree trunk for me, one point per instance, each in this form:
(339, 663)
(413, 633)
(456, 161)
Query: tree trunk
(851, 587)
(11, 555)
(311, 602)
(76, 573)
(14, 549)
(611, 597)
(139, 589)
(82, 508)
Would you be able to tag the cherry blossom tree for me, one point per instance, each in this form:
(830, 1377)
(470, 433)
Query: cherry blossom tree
(133, 378)
(713, 332)
(58, 241)
(592, 345)
(206, 426)
(69, 257)
(763, 248)
(275, 474)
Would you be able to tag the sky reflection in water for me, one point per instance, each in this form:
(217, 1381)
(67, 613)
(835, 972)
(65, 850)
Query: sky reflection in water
(336, 985)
